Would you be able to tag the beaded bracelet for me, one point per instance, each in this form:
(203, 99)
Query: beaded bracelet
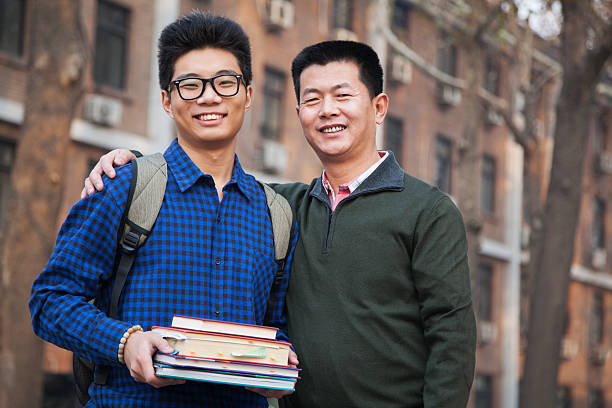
(123, 340)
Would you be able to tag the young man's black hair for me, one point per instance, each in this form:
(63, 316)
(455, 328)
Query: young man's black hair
(370, 71)
(200, 30)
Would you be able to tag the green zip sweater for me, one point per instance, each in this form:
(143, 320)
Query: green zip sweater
(379, 306)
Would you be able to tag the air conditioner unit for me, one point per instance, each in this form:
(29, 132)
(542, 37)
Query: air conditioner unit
(604, 162)
(599, 258)
(487, 332)
(569, 349)
(274, 156)
(493, 118)
(401, 69)
(280, 14)
(102, 110)
(342, 34)
(448, 95)
(599, 354)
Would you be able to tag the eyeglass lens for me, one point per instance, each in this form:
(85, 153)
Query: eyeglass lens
(223, 85)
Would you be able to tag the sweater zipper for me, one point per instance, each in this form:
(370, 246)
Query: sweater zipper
(329, 223)
(331, 213)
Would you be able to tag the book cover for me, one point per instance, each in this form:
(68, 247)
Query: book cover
(178, 360)
(219, 326)
(194, 343)
(224, 378)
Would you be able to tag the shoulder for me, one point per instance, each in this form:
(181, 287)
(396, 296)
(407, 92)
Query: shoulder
(293, 192)
(116, 189)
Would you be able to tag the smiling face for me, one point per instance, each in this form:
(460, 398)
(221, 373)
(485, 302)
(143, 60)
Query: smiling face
(336, 113)
(210, 121)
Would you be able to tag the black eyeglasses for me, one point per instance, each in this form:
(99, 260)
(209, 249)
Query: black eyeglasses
(192, 88)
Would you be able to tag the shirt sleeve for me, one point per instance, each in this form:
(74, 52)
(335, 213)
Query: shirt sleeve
(82, 264)
(276, 315)
(442, 279)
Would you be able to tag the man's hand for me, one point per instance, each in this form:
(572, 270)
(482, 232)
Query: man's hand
(138, 352)
(114, 158)
(272, 393)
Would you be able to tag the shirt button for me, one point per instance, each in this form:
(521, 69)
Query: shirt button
(217, 312)
(218, 261)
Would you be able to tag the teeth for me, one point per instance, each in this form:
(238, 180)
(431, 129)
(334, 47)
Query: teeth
(210, 116)
(333, 129)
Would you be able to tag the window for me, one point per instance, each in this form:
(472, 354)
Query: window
(400, 18)
(447, 55)
(274, 88)
(342, 14)
(564, 397)
(596, 398)
(7, 156)
(483, 391)
(491, 75)
(12, 22)
(394, 130)
(599, 218)
(597, 319)
(443, 164)
(485, 292)
(487, 192)
(111, 45)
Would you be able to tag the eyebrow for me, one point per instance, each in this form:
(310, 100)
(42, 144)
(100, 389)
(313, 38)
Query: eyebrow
(220, 72)
(335, 87)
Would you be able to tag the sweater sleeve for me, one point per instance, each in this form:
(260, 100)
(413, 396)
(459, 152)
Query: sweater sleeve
(82, 260)
(442, 280)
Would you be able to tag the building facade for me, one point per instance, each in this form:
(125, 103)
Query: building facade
(423, 65)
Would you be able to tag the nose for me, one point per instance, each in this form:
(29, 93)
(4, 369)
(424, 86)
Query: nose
(329, 108)
(209, 95)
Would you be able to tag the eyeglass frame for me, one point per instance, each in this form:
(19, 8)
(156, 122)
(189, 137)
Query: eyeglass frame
(205, 81)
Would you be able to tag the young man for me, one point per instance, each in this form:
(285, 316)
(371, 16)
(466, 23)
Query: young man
(379, 303)
(210, 254)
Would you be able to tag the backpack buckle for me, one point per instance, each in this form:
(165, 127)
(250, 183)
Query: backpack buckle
(130, 241)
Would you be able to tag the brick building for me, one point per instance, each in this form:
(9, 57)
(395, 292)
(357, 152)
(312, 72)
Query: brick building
(122, 108)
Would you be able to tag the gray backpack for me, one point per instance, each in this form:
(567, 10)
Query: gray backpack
(145, 196)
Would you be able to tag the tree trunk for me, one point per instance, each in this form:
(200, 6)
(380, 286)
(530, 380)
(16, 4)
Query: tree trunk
(53, 89)
(552, 263)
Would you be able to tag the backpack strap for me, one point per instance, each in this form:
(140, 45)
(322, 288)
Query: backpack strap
(281, 215)
(147, 190)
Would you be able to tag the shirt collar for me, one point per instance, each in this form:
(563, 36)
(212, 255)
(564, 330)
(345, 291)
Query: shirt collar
(186, 173)
(352, 186)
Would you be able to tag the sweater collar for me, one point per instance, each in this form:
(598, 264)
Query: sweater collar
(389, 176)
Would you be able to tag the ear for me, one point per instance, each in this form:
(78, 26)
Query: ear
(167, 103)
(381, 104)
(249, 97)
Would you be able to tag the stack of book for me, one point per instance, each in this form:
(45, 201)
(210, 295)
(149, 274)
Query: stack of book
(225, 352)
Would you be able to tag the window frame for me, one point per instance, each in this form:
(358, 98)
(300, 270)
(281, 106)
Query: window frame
(488, 177)
(448, 145)
(598, 235)
(103, 30)
(394, 141)
(343, 20)
(272, 96)
(21, 57)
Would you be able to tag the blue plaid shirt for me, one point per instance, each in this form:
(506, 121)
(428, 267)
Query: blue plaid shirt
(204, 258)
